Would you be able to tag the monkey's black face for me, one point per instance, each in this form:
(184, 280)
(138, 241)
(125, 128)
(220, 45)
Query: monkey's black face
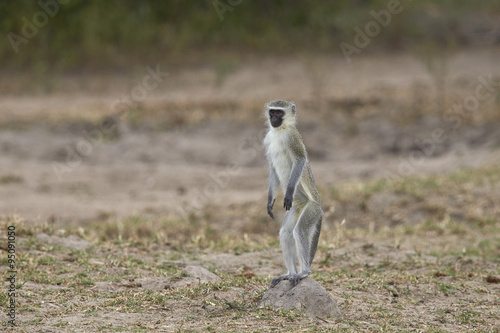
(276, 117)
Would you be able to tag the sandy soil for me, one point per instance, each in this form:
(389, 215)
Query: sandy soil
(372, 114)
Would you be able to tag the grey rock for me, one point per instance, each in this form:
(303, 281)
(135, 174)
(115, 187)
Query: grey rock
(197, 275)
(72, 241)
(308, 296)
(154, 283)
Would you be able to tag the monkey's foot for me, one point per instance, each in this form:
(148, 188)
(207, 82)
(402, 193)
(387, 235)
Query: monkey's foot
(293, 278)
(278, 279)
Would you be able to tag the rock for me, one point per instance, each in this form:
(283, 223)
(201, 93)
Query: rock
(154, 283)
(109, 287)
(197, 275)
(308, 296)
(72, 241)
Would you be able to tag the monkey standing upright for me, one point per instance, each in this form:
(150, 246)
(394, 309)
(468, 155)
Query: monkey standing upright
(290, 170)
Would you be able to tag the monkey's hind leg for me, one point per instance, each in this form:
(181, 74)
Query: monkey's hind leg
(288, 246)
(306, 234)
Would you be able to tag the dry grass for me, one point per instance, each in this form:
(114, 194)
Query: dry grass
(438, 275)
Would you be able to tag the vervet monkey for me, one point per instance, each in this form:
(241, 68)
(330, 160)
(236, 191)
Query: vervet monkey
(290, 170)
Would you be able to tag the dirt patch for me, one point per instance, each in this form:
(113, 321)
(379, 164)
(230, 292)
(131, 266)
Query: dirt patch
(161, 156)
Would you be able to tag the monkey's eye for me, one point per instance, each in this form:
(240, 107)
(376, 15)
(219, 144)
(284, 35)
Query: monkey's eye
(276, 112)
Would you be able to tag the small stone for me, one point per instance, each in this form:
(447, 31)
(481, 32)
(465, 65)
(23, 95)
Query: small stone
(197, 275)
(72, 241)
(492, 279)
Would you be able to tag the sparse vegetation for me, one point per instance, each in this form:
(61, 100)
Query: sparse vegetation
(441, 268)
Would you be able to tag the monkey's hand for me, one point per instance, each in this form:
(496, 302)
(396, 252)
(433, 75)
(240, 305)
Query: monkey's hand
(288, 200)
(270, 205)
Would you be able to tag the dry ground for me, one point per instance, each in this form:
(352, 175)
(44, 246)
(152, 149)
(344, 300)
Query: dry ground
(408, 244)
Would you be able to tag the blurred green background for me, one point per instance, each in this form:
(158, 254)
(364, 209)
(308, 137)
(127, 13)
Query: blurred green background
(114, 35)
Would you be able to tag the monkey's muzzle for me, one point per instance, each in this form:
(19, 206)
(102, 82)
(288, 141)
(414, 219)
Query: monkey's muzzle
(276, 121)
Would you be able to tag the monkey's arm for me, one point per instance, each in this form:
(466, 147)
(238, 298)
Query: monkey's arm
(298, 167)
(300, 159)
(273, 187)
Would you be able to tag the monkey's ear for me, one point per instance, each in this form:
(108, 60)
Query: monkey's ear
(293, 109)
